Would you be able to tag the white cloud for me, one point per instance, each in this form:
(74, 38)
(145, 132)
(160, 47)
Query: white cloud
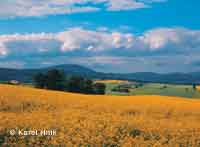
(179, 38)
(27, 8)
(158, 38)
(78, 40)
(115, 5)
(13, 8)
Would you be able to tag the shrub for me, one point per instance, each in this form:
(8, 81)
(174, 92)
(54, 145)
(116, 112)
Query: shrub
(86, 86)
(99, 88)
(194, 86)
(79, 85)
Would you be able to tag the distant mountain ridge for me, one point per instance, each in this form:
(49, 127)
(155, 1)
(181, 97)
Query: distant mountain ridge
(25, 75)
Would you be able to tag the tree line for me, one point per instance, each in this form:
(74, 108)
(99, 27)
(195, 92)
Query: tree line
(57, 80)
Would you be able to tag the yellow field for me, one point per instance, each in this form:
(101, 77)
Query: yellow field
(98, 121)
(198, 88)
(111, 81)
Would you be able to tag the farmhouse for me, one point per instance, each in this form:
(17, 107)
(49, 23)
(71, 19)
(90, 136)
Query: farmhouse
(14, 82)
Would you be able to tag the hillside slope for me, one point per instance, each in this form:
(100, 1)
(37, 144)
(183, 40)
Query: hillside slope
(88, 120)
(26, 75)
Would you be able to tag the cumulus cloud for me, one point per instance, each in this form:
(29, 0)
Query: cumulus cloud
(90, 42)
(15, 8)
(72, 40)
(157, 50)
(173, 40)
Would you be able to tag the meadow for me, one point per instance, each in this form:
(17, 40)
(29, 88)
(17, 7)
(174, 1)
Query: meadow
(98, 121)
(111, 81)
(186, 91)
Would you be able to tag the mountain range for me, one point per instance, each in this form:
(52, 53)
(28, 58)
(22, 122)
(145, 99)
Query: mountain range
(26, 75)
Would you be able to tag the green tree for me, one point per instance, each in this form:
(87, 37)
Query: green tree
(83, 85)
(55, 80)
(99, 88)
(40, 80)
(75, 84)
(194, 86)
(88, 86)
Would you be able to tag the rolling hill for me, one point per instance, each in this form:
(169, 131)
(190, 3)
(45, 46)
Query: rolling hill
(25, 75)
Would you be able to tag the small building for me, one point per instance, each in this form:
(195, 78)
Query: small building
(14, 82)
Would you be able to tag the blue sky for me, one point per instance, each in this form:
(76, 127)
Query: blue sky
(137, 36)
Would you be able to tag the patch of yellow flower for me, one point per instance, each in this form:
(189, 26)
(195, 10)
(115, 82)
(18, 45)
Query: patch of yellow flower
(198, 87)
(97, 121)
(111, 81)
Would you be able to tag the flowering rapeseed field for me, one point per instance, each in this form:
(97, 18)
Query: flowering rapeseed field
(198, 88)
(97, 121)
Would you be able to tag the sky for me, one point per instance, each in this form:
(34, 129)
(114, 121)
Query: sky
(120, 36)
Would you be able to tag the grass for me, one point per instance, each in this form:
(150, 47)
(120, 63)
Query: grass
(111, 81)
(98, 121)
(158, 89)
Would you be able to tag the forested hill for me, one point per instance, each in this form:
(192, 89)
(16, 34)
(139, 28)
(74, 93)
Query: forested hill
(26, 75)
